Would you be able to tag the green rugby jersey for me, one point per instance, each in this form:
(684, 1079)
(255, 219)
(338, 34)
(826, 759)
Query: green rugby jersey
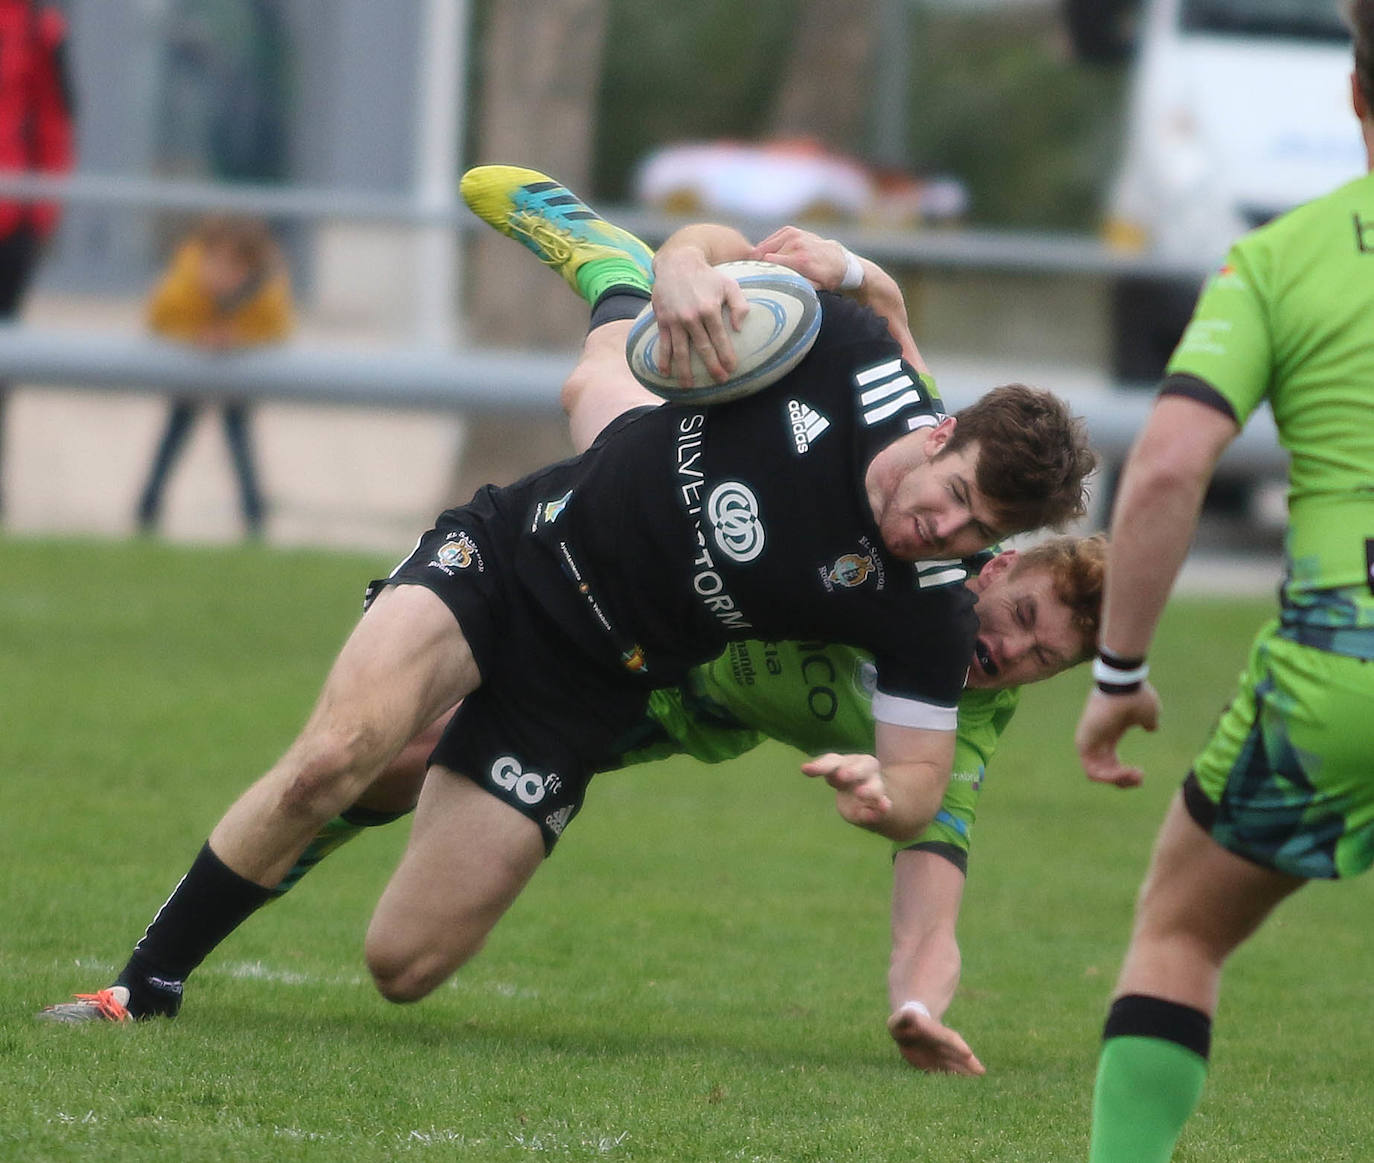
(816, 698)
(1289, 318)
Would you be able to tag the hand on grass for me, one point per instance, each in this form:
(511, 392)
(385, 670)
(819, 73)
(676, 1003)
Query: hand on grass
(930, 1046)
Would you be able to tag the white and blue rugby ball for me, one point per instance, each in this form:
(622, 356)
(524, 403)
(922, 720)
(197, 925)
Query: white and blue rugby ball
(781, 326)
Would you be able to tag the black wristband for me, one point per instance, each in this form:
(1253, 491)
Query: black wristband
(1119, 661)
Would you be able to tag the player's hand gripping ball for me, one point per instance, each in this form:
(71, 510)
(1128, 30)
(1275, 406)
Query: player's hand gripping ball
(781, 326)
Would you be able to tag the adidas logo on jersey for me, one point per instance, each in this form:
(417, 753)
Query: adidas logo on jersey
(807, 425)
(885, 389)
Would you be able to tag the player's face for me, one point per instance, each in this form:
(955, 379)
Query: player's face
(1025, 633)
(936, 510)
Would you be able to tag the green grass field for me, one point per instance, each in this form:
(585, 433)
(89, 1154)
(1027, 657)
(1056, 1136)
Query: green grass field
(698, 974)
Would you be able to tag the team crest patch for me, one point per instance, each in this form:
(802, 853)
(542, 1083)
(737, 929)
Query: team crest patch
(853, 569)
(550, 511)
(458, 552)
(850, 570)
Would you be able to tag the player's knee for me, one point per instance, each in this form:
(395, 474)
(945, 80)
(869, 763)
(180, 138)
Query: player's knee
(328, 771)
(404, 977)
(400, 983)
(575, 388)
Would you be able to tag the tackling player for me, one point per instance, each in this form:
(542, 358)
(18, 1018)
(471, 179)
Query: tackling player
(1283, 792)
(556, 605)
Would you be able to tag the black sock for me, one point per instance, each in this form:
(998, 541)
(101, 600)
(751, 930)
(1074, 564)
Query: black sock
(211, 901)
(620, 302)
(1140, 1016)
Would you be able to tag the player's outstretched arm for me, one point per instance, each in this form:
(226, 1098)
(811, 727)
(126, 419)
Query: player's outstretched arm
(927, 890)
(831, 266)
(897, 792)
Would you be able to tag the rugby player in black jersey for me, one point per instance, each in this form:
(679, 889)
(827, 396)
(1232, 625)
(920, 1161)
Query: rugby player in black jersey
(552, 607)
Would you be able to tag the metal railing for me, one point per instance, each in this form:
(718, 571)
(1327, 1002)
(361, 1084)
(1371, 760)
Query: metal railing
(936, 247)
(445, 378)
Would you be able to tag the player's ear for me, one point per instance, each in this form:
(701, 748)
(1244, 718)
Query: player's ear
(1357, 101)
(997, 567)
(938, 437)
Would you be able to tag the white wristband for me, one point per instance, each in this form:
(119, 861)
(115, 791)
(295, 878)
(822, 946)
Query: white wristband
(1104, 671)
(853, 271)
(916, 1007)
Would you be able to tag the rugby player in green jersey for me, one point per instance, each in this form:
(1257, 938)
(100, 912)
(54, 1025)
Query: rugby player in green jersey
(1283, 791)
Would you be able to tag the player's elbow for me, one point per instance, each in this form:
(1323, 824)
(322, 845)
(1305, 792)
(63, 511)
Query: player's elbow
(907, 831)
(905, 824)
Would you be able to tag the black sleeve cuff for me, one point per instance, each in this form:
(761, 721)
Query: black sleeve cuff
(951, 852)
(1180, 384)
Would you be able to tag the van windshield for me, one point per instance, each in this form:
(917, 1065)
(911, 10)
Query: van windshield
(1289, 19)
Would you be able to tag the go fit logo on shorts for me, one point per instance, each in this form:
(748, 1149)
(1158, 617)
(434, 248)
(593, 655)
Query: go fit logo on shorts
(531, 787)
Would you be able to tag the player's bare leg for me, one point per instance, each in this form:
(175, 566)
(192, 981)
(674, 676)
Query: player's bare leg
(600, 387)
(406, 661)
(597, 390)
(1198, 905)
(468, 857)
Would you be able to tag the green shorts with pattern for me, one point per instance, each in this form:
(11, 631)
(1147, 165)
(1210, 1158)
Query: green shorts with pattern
(1287, 778)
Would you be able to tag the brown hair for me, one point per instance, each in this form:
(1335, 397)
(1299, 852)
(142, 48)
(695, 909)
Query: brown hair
(1033, 456)
(1359, 15)
(249, 239)
(1077, 568)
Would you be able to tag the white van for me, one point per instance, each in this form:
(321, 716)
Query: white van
(1239, 110)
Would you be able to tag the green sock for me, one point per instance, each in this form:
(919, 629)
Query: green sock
(334, 835)
(1146, 1089)
(596, 277)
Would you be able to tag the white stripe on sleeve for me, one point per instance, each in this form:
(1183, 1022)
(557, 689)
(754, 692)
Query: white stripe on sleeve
(901, 712)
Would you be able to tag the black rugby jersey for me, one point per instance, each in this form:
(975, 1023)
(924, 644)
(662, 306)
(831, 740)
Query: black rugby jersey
(687, 527)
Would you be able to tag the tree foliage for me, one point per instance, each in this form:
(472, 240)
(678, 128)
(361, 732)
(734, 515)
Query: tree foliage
(995, 99)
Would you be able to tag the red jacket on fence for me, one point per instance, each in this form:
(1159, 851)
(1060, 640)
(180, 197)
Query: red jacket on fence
(35, 106)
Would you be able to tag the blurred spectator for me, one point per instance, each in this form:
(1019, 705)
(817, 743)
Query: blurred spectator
(226, 289)
(35, 136)
(793, 179)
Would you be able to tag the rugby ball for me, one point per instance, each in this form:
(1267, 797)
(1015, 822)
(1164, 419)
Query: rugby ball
(781, 326)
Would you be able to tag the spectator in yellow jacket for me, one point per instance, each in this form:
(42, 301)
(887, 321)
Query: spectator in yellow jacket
(225, 289)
